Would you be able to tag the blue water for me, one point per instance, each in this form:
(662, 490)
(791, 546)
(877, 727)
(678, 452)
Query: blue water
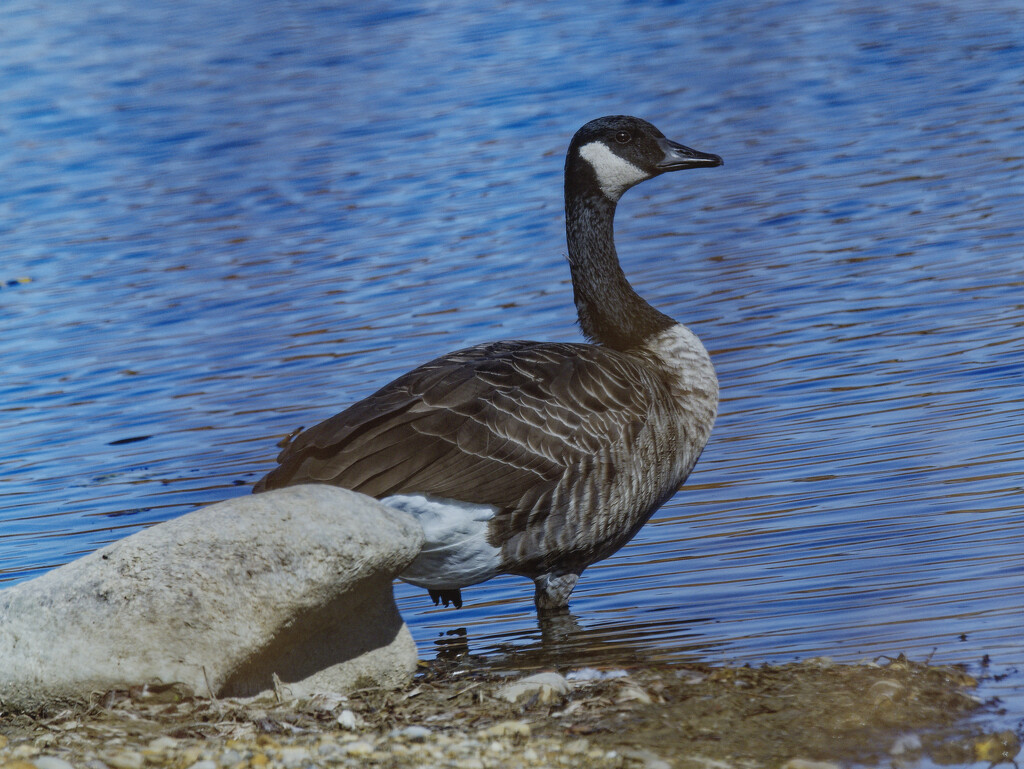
(233, 220)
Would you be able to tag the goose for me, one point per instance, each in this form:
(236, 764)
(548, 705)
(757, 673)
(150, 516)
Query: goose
(537, 459)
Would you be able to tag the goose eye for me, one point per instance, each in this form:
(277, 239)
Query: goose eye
(623, 137)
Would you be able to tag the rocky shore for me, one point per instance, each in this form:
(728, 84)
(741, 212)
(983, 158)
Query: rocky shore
(464, 714)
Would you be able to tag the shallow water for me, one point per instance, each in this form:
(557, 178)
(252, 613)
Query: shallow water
(233, 223)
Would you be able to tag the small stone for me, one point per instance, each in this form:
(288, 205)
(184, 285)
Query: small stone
(359, 748)
(3, 740)
(51, 762)
(163, 743)
(292, 757)
(347, 720)
(908, 743)
(415, 733)
(258, 760)
(19, 764)
(649, 759)
(884, 690)
(507, 729)
(804, 763)
(230, 758)
(691, 676)
(546, 687)
(630, 692)
(125, 760)
(576, 747)
(204, 764)
(330, 751)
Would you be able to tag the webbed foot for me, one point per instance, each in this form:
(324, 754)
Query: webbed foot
(447, 597)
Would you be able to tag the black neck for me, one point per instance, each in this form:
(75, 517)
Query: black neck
(610, 311)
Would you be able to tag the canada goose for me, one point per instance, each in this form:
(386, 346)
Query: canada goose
(537, 458)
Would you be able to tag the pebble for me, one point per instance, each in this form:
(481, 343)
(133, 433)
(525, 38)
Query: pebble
(546, 687)
(574, 747)
(331, 751)
(884, 690)
(347, 720)
(908, 743)
(630, 692)
(507, 729)
(359, 748)
(125, 760)
(647, 758)
(51, 762)
(804, 763)
(163, 744)
(290, 757)
(415, 733)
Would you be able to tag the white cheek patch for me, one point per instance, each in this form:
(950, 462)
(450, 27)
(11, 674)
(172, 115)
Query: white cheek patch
(614, 174)
(456, 552)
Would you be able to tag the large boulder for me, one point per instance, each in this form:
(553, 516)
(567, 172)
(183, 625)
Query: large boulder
(295, 582)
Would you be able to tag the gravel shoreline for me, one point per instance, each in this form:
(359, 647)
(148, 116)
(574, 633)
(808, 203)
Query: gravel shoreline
(811, 715)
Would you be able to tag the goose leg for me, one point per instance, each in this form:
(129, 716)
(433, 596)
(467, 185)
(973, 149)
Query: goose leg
(552, 591)
(453, 597)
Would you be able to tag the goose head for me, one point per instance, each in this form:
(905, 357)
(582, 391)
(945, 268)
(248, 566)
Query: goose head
(609, 155)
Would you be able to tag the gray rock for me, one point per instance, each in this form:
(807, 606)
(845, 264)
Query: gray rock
(295, 582)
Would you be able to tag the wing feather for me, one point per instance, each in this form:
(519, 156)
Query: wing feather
(532, 429)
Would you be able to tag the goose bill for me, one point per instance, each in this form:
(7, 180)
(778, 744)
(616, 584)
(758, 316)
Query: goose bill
(677, 157)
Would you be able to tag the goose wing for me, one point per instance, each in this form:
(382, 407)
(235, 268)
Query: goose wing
(529, 428)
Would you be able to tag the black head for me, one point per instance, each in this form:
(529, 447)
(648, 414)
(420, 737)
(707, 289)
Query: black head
(614, 153)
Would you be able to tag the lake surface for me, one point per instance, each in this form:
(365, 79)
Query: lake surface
(220, 221)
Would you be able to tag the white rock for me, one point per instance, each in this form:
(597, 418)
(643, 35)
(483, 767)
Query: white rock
(649, 759)
(347, 720)
(806, 763)
(507, 729)
(415, 733)
(295, 582)
(230, 758)
(546, 686)
(359, 748)
(291, 757)
(907, 743)
(125, 760)
(51, 762)
(631, 692)
(885, 689)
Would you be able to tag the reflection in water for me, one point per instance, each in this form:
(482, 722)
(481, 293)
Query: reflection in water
(562, 641)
